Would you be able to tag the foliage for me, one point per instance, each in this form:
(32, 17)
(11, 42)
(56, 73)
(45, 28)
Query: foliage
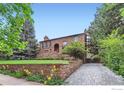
(36, 77)
(17, 74)
(55, 80)
(27, 72)
(52, 79)
(5, 72)
(108, 18)
(112, 50)
(75, 49)
(12, 18)
(107, 35)
(121, 70)
(27, 35)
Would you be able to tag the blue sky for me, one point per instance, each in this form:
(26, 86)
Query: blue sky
(57, 20)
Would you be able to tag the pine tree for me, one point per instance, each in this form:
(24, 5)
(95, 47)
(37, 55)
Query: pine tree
(27, 35)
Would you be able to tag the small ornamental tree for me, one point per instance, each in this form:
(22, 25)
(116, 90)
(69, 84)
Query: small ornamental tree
(75, 49)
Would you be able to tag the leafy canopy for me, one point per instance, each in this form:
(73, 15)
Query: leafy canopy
(12, 18)
(108, 17)
(112, 50)
(107, 35)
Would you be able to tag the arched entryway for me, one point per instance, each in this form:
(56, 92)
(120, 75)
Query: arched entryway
(56, 47)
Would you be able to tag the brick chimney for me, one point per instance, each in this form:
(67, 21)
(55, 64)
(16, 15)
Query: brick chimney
(46, 38)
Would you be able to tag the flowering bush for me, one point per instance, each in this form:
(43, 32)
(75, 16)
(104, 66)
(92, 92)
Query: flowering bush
(53, 78)
(27, 72)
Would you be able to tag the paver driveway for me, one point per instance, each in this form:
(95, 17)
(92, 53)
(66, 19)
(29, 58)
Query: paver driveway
(94, 74)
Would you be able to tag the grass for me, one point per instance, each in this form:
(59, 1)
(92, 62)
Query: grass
(34, 62)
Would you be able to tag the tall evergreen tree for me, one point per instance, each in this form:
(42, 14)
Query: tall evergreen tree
(27, 35)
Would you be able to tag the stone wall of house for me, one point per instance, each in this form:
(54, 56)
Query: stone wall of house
(50, 51)
(63, 70)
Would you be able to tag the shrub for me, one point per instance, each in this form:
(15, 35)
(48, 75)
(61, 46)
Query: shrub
(121, 70)
(35, 77)
(75, 49)
(112, 50)
(55, 80)
(17, 74)
(5, 72)
(51, 80)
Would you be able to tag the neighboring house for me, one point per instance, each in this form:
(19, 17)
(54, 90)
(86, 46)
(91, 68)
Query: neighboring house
(53, 47)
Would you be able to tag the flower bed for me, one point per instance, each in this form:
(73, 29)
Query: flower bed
(52, 74)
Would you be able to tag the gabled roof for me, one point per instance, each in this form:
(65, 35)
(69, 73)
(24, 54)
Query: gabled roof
(64, 37)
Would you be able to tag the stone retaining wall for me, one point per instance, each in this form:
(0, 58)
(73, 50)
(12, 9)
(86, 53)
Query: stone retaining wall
(63, 70)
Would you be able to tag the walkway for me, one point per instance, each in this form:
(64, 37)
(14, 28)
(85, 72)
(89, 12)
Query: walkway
(8, 80)
(94, 74)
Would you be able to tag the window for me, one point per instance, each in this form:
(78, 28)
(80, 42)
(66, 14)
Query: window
(76, 39)
(65, 43)
(46, 44)
(88, 39)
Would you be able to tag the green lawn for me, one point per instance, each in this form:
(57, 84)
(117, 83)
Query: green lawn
(34, 62)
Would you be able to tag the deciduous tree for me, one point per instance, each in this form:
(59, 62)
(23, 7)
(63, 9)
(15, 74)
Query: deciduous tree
(12, 18)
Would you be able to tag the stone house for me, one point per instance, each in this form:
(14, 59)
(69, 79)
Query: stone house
(53, 47)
